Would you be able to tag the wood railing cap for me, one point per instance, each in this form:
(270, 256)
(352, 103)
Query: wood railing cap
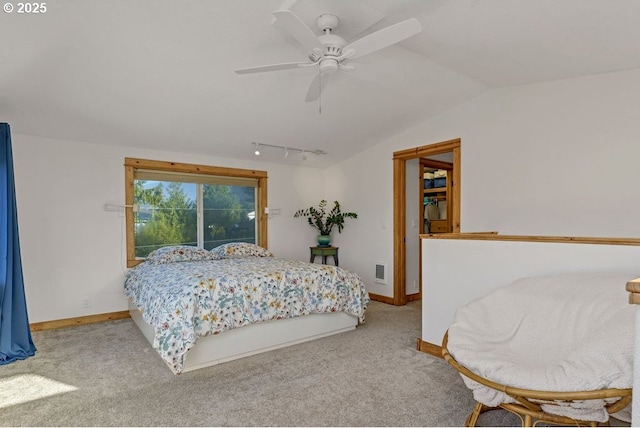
(633, 287)
(495, 236)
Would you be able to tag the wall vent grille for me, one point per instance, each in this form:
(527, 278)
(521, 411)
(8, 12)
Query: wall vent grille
(381, 271)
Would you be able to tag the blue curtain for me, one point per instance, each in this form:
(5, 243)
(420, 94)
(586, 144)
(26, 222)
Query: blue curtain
(15, 336)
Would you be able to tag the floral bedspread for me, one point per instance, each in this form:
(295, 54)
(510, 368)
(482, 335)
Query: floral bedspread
(190, 299)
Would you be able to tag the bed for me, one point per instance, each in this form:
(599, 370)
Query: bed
(190, 303)
(555, 348)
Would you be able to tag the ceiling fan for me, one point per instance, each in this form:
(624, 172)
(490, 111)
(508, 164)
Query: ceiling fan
(330, 52)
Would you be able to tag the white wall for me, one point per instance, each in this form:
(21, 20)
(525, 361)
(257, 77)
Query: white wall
(554, 158)
(456, 271)
(364, 184)
(551, 159)
(72, 248)
(412, 227)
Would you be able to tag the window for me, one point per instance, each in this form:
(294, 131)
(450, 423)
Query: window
(185, 204)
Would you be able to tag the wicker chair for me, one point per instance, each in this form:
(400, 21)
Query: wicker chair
(528, 401)
(598, 356)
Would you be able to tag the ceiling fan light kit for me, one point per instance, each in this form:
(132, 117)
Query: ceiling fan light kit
(329, 51)
(327, 21)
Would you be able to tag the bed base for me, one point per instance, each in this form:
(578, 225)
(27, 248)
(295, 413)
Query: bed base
(256, 338)
(530, 412)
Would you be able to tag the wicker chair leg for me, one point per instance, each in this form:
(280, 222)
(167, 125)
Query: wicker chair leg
(472, 419)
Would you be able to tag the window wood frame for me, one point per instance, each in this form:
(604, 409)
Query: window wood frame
(131, 164)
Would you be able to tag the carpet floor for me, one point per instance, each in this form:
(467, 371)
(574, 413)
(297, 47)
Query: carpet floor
(107, 375)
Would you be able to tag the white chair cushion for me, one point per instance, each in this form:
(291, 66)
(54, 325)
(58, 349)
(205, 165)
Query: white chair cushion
(569, 332)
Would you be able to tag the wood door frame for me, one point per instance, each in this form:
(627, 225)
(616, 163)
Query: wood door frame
(400, 206)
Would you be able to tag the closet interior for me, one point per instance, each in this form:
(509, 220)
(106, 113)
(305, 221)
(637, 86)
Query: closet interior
(435, 185)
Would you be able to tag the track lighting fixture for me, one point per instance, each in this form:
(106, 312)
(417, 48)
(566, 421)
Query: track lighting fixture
(287, 150)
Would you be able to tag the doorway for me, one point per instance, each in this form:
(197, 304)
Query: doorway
(400, 159)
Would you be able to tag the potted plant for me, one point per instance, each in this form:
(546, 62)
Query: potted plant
(319, 218)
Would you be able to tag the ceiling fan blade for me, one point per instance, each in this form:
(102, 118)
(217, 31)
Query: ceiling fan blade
(272, 67)
(383, 38)
(317, 85)
(286, 20)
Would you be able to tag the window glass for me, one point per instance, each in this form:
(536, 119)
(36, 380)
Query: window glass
(169, 203)
(167, 215)
(229, 215)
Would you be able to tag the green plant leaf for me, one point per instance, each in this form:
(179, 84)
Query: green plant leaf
(318, 218)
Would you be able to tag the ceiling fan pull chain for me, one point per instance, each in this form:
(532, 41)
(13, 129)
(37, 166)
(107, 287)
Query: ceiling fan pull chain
(319, 90)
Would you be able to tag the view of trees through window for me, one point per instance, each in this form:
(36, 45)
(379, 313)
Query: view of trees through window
(169, 214)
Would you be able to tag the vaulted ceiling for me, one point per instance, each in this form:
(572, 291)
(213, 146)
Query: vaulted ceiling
(160, 74)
